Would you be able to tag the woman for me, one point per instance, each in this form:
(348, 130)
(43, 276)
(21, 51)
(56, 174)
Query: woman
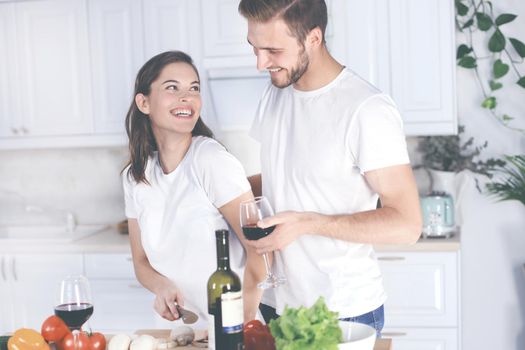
(180, 186)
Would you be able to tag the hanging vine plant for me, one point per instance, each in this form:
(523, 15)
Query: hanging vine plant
(474, 16)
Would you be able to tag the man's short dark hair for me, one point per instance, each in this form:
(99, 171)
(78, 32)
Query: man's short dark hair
(301, 16)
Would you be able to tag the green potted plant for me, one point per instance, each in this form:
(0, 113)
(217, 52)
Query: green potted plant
(512, 186)
(445, 156)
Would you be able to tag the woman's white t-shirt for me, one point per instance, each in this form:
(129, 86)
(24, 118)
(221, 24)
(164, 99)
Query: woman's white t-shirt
(315, 148)
(177, 215)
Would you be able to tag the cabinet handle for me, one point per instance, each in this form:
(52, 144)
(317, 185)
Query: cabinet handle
(135, 286)
(14, 131)
(14, 270)
(391, 258)
(393, 334)
(24, 130)
(129, 258)
(3, 269)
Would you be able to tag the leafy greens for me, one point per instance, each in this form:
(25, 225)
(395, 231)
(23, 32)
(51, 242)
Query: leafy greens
(314, 328)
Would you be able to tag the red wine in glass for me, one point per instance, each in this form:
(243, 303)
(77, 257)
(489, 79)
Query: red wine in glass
(74, 315)
(254, 232)
(74, 304)
(252, 211)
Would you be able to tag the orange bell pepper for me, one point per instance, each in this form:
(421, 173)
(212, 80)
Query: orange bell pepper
(27, 339)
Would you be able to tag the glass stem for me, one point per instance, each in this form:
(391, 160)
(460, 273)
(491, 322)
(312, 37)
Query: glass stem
(267, 265)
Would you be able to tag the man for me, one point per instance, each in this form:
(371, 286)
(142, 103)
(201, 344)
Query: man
(331, 145)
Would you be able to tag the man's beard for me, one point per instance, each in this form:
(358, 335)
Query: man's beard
(296, 72)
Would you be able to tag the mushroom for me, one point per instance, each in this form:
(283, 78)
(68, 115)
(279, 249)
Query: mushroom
(119, 342)
(182, 335)
(144, 342)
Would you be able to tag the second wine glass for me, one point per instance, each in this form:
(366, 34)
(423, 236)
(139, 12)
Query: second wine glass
(74, 305)
(253, 211)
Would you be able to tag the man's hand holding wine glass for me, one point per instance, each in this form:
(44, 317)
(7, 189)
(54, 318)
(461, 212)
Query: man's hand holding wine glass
(289, 225)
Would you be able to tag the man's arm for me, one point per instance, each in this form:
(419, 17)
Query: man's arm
(398, 221)
(256, 184)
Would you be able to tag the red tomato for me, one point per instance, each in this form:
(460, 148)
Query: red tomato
(54, 329)
(257, 337)
(97, 341)
(254, 324)
(76, 341)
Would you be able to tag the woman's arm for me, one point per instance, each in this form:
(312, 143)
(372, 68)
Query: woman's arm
(254, 271)
(166, 293)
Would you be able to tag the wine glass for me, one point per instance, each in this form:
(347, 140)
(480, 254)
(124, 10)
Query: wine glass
(252, 211)
(74, 306)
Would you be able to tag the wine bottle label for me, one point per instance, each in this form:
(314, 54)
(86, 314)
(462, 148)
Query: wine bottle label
(211, 332)
(232, 312)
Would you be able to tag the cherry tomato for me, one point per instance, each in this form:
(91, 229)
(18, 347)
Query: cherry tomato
(54, 329)
(257, 337)
(97, 341)
(76, 341)
(254, 324)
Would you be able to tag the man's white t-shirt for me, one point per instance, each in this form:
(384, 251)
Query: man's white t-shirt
(315, 148)
(177, 215)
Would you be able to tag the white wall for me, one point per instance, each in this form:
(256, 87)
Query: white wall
(493, 234)
(85, 181)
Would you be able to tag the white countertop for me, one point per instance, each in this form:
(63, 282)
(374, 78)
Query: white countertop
(111, 241)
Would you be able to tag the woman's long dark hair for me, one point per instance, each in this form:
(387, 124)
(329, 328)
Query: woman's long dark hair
(142, 143)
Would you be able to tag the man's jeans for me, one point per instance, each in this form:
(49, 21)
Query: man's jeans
(375, 319)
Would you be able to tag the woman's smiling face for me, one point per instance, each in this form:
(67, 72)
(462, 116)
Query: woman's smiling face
(174, 102)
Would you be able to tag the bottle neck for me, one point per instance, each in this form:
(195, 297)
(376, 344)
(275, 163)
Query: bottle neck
(223, 251)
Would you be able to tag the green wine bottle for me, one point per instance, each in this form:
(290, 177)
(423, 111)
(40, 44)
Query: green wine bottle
(225, 309)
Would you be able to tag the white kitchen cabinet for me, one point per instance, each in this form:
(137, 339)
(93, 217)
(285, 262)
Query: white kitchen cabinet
(423, 339)
(422, 309)
(116, 43)
(49, 84)
(407, 49)
(226, 30)
(170, 25)
(30, 283)
(121, 303)
(7, 312)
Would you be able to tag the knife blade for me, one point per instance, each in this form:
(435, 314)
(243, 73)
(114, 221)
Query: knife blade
(187, 316)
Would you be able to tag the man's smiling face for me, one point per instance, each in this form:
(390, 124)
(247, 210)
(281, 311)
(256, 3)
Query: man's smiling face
(278, 51)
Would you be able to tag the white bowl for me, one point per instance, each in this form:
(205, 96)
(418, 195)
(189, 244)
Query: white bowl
(357, 336)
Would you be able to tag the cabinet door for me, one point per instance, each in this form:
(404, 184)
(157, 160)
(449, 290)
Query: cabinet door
(115, 32)
(422, 289)
(8, 67)
(121, 305)
(36, 281)
(422, 338)
(225, 29)
(55, 89)
(7, 321)
(169, 25)
(422, 59)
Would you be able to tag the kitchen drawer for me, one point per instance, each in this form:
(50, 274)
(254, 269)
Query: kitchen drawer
(422, 288)
(121, 305)
(423, 338)
(109, 266)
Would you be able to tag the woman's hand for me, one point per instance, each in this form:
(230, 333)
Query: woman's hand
(166, 300)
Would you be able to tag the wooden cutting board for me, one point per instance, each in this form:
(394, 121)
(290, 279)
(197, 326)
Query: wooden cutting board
(381, 344)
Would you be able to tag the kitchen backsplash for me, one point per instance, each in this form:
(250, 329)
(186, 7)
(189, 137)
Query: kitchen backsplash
(87, 181)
